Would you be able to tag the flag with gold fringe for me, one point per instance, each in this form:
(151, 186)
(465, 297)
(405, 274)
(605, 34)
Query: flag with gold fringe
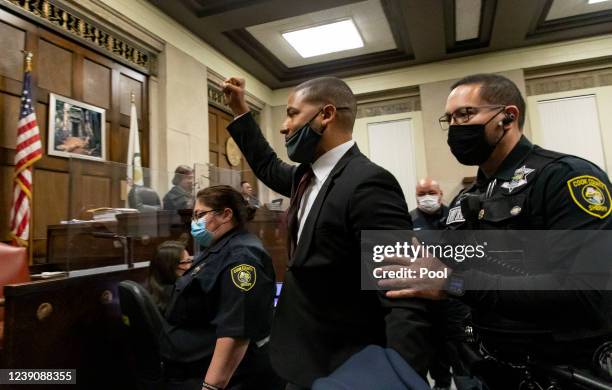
(27, 152)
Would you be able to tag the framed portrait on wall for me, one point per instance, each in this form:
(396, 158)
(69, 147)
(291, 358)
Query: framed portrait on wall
(76, 129)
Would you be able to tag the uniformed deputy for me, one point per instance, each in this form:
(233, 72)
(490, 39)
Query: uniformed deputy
(523, 314)
(180, 196)
(221, 309)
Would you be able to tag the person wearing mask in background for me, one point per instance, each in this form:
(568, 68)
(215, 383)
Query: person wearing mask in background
(450, 316)
(171, 261)
(430, 213)
(220, 312)
(180, 196)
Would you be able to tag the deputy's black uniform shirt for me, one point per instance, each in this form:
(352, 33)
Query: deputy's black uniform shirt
(227, 292)
(534, 189)
(425, 221)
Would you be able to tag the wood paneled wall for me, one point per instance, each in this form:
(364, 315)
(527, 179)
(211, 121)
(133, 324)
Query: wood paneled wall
(64, 67)
(217, 136)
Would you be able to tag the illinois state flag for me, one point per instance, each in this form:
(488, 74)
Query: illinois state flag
(27, 152)
(134, 165)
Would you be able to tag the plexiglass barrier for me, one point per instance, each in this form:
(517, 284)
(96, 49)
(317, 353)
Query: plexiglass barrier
(119, 216)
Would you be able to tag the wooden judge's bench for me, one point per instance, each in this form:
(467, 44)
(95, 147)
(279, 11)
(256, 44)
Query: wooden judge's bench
(74, 320)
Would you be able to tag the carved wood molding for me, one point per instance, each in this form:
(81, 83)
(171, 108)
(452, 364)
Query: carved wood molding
(70, 22)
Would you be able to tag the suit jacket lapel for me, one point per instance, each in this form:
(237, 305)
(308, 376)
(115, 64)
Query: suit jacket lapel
(301, 253)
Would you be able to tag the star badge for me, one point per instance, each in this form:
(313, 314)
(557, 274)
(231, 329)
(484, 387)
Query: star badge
(518, 179)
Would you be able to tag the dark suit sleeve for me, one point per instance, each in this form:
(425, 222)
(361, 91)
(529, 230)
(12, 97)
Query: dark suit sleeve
(378, 204)
(271, 170)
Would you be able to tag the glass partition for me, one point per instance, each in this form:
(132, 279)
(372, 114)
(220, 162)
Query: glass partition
(118, 215)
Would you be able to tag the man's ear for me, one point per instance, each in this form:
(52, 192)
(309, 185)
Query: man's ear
(329, 113)
(512, 112)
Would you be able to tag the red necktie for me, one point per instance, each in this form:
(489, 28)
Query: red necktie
(292, 212)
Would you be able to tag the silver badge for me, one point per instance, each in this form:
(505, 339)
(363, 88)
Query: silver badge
(518, 179)
(516, 210)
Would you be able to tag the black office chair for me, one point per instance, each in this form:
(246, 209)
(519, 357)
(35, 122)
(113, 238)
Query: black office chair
(144, 199)
(145, 326)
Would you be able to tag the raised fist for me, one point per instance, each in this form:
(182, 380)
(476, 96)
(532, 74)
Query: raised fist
(233, 95)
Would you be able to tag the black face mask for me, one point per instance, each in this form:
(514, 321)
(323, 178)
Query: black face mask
(468, 143)
(302, 144)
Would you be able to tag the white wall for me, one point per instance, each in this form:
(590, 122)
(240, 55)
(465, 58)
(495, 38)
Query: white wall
(603, 96)
(186, 110)
(391, 145)
(360, 135)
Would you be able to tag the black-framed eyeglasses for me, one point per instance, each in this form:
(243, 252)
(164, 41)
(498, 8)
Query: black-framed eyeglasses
(464, 114)
(199, 215)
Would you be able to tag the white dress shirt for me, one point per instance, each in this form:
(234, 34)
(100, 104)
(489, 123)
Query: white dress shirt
(321, 168)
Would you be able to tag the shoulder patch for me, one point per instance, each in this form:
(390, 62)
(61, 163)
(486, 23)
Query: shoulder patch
(455, 215)
(244, 276)
(591, 195)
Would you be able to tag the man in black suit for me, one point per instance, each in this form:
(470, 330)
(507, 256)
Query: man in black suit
(323, 317)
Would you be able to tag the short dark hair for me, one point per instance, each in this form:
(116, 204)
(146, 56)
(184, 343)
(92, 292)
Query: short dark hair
(497, 89)
(331, 90)
(221, 197)
(180, 172)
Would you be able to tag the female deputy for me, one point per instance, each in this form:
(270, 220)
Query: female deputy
(171, 261)
(221, 308)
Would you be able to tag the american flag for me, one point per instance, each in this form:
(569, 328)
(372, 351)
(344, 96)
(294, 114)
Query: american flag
(27, 152)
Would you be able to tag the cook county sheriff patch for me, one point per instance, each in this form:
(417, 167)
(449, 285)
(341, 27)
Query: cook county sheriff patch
(244, 276)
(591, 195)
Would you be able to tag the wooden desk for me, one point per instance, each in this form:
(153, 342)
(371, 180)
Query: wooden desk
(71, 322)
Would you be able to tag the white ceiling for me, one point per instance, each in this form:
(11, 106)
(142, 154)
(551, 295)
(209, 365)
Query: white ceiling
(368, 17)
(566, 8)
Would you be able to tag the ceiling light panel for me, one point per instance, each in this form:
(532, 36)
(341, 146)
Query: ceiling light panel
(568, 8)
(467, 19)
(324, 39)
(368, 17)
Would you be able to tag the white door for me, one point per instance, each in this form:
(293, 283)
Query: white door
(392, 147)
(571, 125)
